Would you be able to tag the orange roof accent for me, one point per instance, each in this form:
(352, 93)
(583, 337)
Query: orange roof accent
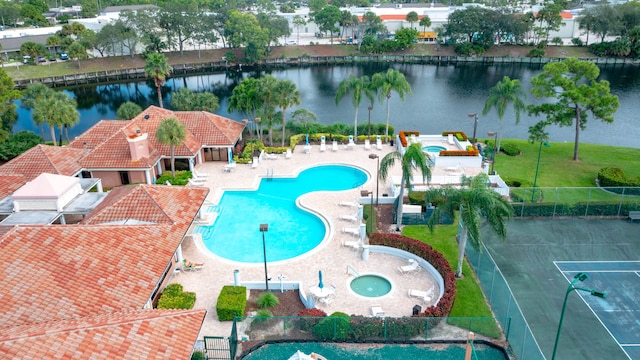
(10, 183)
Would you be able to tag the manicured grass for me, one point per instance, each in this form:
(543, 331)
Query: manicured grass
(470, 301)
(557, 167)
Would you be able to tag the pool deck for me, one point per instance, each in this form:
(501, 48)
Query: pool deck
(331, 256)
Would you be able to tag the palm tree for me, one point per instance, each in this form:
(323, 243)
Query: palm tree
(413, 158)
(504, 92)
(425, 22)
(158, 68)
(412, 17)
(56, 109)
(244, 98)
(266, 92)
(31, 96)
(392, 80)
(171, 132)
(287, 95)
(358, 86)
(475, 200)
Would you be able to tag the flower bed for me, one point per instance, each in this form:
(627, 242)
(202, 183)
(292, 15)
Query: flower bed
(403, 136)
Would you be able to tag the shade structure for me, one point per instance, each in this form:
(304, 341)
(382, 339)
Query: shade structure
(320, 284)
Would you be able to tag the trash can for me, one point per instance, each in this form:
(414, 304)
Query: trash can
(391, 142)
(417, 309)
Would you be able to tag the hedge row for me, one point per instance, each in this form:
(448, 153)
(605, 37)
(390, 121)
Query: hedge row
(231, 302)
(173, 297)
(460, 135)
(616, 177)
(403, 136)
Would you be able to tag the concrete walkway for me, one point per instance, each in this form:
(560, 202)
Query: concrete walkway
(330, 256)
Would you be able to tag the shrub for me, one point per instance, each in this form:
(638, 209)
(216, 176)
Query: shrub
(267, 300)
(262, 316)
(232, 301)
(173, 297)
(310, 317)
(181, 179)
(536, 53)
(461, 136)
(334, 327)
(577, 42)
(510, 149)
(197, 355)
(613, 176)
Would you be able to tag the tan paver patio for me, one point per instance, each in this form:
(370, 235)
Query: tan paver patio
(330, 256)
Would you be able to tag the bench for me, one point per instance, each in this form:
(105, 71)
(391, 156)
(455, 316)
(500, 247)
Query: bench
(634, 215)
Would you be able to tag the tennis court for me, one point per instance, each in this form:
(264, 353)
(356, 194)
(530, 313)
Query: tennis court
(541, 257)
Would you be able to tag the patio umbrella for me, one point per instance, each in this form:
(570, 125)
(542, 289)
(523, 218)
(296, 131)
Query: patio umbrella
(320, 285)
(230, 156)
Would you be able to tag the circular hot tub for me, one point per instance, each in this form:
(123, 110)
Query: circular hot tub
(433, 148)
(370, 285)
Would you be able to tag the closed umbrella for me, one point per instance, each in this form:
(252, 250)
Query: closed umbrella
(307, 139)
(230, 156)
(320, 284)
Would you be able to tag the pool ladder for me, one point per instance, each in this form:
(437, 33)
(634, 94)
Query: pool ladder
(349, 267)
(269, 173)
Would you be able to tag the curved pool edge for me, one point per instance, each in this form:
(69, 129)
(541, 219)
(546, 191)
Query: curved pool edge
(330, 227)
(377, 298)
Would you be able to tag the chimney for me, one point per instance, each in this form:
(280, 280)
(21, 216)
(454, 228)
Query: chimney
(138, 145)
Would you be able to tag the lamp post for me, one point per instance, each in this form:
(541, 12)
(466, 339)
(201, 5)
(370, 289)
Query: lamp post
(375, 156)
(535, 178)
(263, 229)
(579, 277)
(475, 125)
(370, 108)
(493, 157)
(367, 193)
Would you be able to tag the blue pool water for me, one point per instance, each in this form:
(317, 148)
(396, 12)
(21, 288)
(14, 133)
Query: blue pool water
(433, 148)
(236, 236)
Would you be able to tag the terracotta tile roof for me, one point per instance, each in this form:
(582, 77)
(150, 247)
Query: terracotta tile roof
(110, 148)
(60, 160)
(212, 129)
(97, 134)
(10, 183)
(134, 334)
(171, 205)
(78, 290)
(66, 272)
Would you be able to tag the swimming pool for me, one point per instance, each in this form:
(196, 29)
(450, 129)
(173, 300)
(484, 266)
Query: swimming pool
(236, 236)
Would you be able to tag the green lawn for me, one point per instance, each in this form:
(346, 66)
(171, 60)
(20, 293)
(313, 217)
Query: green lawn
(557, 167)
(470, 306)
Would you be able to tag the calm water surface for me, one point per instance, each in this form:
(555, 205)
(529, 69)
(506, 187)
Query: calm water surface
(442, 97)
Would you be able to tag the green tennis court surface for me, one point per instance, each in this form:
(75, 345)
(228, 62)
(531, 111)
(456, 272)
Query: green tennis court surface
(539, 259)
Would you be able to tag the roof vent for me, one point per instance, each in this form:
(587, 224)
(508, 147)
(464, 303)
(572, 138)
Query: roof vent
(146, 117)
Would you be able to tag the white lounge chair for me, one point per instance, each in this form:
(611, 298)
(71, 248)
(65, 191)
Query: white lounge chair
(195, 182)
(191, 266)
(229, 167)
(199, 175)
(378, 143)
(168, 183)
(307, 149)
(352, 218)
(450, 139)
(348, 203)
(424, 295)
(355, 245)
(367, 144)
(351, 231)
(412, 267)
(255, 162)
(327, 300)
(323, 144)
(351, 144)
(376, 310)
(334, 146)
(271, 156)
(288, 154)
